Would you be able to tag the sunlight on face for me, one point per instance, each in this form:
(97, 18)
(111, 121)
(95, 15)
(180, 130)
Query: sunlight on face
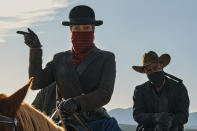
(81, 28)
(154, 67)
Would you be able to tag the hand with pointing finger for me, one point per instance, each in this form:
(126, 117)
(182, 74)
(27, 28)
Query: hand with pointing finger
(31, 39)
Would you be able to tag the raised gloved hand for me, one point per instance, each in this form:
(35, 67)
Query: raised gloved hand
(31, 39)
(68, 106)
(165, 119)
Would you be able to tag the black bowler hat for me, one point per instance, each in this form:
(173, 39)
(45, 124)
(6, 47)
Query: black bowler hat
(82, 15)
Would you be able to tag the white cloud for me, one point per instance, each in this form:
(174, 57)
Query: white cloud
(16, 14)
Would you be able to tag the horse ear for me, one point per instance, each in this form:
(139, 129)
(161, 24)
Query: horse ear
(16, 99)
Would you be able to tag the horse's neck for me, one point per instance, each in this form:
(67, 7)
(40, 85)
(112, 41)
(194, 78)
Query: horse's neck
(31, 119)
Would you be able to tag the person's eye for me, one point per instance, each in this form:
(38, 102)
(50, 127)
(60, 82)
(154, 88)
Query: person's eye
(149, 72)
(76, 28)
(87, 28)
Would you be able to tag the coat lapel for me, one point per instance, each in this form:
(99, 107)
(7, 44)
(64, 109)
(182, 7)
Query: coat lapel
(170, 95)
(87, 60)
(72, 70)
(149, 98)
(76, 72)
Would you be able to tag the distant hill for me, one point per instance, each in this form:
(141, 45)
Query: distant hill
(192, 123)
(125, 127)
(124, 116)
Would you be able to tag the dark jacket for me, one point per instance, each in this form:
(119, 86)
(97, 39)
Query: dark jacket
(45, 100)
(178, 103)
(91, 84)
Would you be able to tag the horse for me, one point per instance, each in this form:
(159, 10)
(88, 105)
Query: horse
(16, 115)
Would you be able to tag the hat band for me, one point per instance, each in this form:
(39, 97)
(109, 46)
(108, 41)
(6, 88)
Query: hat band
(82, 20)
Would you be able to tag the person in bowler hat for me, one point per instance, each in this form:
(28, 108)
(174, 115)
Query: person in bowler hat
(161, 103)
(84, 75)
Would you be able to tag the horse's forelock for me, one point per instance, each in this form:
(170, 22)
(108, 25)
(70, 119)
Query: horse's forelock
(32, 119)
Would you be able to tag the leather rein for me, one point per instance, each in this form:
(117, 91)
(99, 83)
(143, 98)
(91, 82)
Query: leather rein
(8, 120)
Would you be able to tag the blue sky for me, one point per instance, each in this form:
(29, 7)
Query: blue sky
(131, 27)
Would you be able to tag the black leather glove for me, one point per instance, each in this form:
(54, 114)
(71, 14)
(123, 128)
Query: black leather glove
(164, 119)
(69, 106)
(31, 39)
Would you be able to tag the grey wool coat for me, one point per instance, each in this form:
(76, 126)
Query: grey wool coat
(90, 84)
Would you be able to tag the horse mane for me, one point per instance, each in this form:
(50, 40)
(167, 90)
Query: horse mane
(31, 119)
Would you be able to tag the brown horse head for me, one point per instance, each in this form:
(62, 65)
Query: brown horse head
(9, 105)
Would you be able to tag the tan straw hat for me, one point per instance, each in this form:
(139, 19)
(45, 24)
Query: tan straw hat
(152, 57)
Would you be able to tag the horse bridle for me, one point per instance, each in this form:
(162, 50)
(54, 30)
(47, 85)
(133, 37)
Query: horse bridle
(9, 120)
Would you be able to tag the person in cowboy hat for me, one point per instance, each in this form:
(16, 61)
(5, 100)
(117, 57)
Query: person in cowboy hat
(84, 75)
(161, 103)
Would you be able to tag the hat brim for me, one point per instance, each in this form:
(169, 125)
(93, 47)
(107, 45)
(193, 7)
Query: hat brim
(96, 23)
(163, 59)
(139, 69)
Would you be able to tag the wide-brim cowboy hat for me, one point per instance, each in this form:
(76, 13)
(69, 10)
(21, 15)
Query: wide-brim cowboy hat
(152, 57)
(82, 15)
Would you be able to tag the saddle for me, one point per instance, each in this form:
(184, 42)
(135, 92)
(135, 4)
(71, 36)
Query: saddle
(73, 125)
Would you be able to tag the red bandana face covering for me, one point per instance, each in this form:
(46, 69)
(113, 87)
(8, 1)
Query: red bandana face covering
(82, 44)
